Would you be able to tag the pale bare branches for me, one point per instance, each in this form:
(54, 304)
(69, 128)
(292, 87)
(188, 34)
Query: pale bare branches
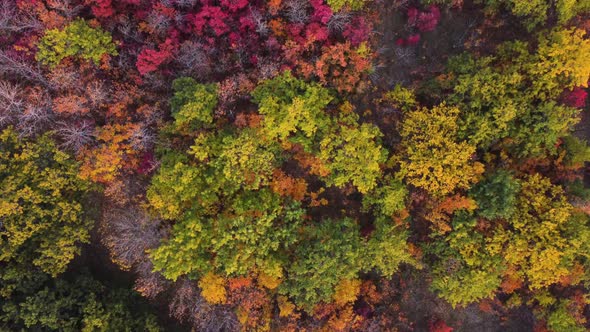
(36, 115)
(159, 22)
(260, 22)
(187, 305)
(98, 94)
(193, 60)
(339, 20)
(186, 3)
(143, 138)
(130, 233)
(19, 68)
(147, 282)
(75, 136)
(12, 20)
(10, 102)
(65, 7)
(296, 11)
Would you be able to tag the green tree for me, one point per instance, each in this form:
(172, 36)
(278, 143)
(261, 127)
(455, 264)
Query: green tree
(330, 251)
(42, 215)
(193, 104)
(537, 240)
(464, 270)
(511, 98)
(353, 153)
(76, 303)
(292, 109)
(535, 13)
(561, 320)
(253, 232)
(76, 39)
(387, 248)
(496, 195)
(386, 199)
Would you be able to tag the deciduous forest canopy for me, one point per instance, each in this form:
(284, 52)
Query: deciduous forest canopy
(294, 165)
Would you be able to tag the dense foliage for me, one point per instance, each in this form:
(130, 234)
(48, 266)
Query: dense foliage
(294, 165)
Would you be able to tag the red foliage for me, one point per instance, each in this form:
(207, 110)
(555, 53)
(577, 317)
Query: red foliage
(357, 31)
(213, 17)
(412, 16)
(575, 98)
(410, 41)
(149, 60)
(316, 32)
(413, 39)
(147, 163)
(439, 326)
(101, 8)
(321, 12)
(234, 5)
(428, 19)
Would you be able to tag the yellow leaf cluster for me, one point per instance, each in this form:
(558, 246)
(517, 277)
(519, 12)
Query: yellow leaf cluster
(213, 288)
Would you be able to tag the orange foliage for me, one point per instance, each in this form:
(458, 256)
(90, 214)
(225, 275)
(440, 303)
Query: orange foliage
(254, 310)
(574, 277)
(285, 185)
(124, 95)
(50, 18)
(115, 154)
(315, 200)
(274, 6)
(70, 105)
(311, 162)
(511, 281)
(341, 66)
(370, 293)
(440, 215)
(278, 27)
(343, 320)
(248, 120)
(239, 282)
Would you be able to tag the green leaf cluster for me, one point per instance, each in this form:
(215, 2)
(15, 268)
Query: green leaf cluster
(43, 218)
(76, 39)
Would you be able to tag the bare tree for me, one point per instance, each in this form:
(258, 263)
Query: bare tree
(12, 20)
(75, 136)
(268, 68)
(143, 138)
(64, 79)
(339, 20)
(36, 115)
(10, 102)
(20, 68)
(148, 282)
(260, 22)
(97, 93)
(187, 304)
(296, 11)
(130, 232)
(65, 7)
(185, 4)
(194, 61)
(220, 319)
(159, 23)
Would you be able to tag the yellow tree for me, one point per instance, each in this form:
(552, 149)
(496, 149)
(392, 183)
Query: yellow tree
(433, 159)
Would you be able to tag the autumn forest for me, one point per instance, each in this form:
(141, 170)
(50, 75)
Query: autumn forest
(294, 165)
